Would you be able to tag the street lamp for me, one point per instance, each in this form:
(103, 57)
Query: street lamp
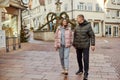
(72, 8)
(58, 6)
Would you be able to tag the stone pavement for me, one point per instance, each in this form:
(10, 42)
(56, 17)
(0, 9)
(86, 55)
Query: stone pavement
(45, 65)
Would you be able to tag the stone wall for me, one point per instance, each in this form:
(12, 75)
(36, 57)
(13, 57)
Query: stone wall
(45, 36)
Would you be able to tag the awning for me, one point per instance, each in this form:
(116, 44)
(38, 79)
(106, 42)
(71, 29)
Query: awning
(13, 3)
(17, 4)
(4, 3)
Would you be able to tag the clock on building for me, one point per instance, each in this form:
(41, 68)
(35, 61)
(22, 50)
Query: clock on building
(25, 2)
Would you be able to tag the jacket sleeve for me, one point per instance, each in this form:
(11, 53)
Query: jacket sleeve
(74, 36)
(71, 37)
(56, 35)
(92, 36)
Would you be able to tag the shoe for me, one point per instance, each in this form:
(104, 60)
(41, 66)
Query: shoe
(63, 72)
(79, 72)
(85, 77)
(66, 72)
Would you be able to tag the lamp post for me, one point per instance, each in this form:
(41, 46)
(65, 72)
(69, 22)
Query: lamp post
(58, 10)
(58, 6)
(72, 9)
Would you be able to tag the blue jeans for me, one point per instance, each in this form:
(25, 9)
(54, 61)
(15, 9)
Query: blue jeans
(64, 56)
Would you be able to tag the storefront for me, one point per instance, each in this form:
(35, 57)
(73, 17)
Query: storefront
(10, 21)
(112, 30)
(11, 18)
(97, 26)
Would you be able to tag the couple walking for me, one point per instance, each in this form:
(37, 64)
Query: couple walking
(84, 38)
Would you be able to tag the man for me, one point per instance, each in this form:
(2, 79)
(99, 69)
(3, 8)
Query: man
(84, 38)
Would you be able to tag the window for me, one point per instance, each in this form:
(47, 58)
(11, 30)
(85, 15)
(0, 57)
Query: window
(66, 7)
(115, 31)
(49, 1)
(108, 14)
(98, 8)
(118, 13)
(113, 14)
(96, 27)
(89, 6)
(115, 2)
(81, 6)
(118, 1)
(10, 24)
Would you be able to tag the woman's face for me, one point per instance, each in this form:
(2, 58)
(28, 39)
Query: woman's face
(65, 22)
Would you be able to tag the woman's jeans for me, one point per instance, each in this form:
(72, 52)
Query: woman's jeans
(64, 56)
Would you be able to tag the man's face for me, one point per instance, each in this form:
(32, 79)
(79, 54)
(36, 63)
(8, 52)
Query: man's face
(80, 19)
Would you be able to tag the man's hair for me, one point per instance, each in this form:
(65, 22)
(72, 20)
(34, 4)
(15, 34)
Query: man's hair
(81, 15)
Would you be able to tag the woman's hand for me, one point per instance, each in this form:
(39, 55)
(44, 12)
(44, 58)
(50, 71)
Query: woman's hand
(56, 48)
(93, 48)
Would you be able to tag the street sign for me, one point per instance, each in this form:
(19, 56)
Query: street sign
(2, 39)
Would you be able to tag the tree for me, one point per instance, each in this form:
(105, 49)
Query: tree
(24, 37)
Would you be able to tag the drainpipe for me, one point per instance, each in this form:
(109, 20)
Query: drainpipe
(72, 9)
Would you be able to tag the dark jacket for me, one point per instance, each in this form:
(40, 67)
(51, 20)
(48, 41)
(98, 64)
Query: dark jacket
(84, 36)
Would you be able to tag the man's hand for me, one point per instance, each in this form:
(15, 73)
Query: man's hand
(93, 48)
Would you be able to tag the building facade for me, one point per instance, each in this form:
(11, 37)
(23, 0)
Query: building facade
(112, 18)
(10, 17)
(103, 14)
(10, 20)
(34, 16)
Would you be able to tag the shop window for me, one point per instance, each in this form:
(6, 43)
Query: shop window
(96, 27)
(9, 24)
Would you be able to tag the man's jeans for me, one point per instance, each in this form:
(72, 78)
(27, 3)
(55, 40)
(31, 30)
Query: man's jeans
(83, 53)
(64, 56)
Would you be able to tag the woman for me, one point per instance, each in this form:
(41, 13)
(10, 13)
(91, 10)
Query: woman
(63, 42)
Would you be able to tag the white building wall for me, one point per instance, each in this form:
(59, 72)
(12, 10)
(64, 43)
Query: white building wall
(111, 18)
(0, 20)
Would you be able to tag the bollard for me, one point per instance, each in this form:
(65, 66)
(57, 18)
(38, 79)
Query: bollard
(14, 43)
(19, 43)
(7, 44)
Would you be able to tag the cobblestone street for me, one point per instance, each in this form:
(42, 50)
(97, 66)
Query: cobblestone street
(38, 60)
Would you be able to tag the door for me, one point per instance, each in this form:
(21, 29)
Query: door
(108, 31)
(115, 31)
